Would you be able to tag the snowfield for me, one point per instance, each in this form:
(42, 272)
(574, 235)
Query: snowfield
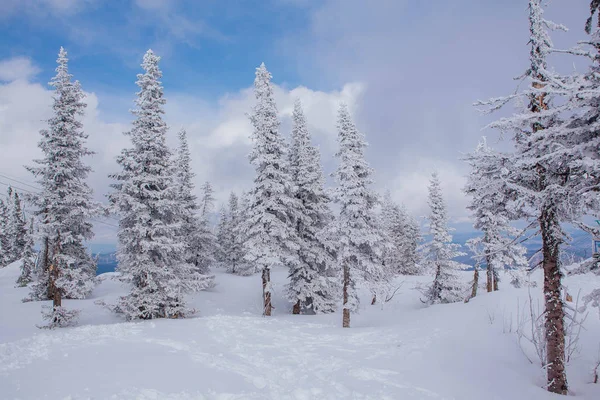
(401, 350)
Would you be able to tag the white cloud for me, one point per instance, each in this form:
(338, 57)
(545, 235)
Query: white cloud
(17, 68)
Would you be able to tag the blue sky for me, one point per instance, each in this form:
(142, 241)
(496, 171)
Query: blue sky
(410, 71)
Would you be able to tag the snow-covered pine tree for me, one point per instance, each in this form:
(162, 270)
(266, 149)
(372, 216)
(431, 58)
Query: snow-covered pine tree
(151, 257)
(223, 238)
(312, 287)
(440, 251)
(492, 193)
(17, 228)
(235, 255)
(541, 174)
(270, 224)
(392, 226)
(357, 230)
(5, 251)
(195, 232)
(65, 205)
(28, 256)
(412, 239)
(207, 202)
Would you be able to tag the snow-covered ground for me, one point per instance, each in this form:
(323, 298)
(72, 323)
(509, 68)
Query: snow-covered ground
(401, 350)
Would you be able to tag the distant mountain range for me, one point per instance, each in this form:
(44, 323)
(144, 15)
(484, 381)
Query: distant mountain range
(579, 248)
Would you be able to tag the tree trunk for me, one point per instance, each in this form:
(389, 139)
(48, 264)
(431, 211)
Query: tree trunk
(475, 282)
(554, 324)
(346, 311)
(495, 275)
(374, 300)
(296, 309)
(266, 284)
(46, 266)
(490, 275)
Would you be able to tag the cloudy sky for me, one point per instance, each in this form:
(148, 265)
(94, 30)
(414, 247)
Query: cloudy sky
(410, 71)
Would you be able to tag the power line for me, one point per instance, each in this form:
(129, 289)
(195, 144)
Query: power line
(21, 182)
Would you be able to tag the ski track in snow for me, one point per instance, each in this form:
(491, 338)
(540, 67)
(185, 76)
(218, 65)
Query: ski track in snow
(230, 352)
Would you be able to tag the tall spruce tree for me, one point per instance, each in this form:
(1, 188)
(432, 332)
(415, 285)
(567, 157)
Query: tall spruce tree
(440, 251)
(195, 233)
(64, 206)
(542, 173)
(152, 258)
(17, 228)
(28, 256)
(270, 224)
(357, 230)
(5, 251)
(488, 185)
(312, 282)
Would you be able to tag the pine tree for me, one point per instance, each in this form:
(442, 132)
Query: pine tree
(151, 257)
(235, 251)
(358, 234)
(541, 174)
(195, 232)
(270, 222)
(64, 206)
(17, 228)
(311, 287)
(28, 256)
(402, 235)
(491, 198)
(412, 239)
(223, 238)
(5, 251)
(440, 251)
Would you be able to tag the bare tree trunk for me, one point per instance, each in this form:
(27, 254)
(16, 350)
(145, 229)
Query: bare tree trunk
(489, 275)
(495, 275)
(475, 282)
(54, 273)
(266, 284)
(46, 266)
(374, 300)
(346, 311)
(554, 324)
(296, 309)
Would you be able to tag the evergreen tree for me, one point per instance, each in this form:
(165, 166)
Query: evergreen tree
(151, 257)
(357, 231)
(17, 229)
(5, 251)
(410, 245)
(270, 222)
(402, 235)
(543, 176)
(311, 286)
(223, 238)
(195, 232)
(491, 198)
(235, 250)
(28, 257)
(64, 206)
(440, 251)
(207, 202)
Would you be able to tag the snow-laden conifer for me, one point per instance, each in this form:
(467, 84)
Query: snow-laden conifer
(28, 259)
(17, 228)
(312, 286)
(195, 231)
(5, 251)
(151, 255)
(440, 251)
(64, 205)
(541, 172)
(270, 228)
(488, 185)
(402, 235)
(357, 231)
